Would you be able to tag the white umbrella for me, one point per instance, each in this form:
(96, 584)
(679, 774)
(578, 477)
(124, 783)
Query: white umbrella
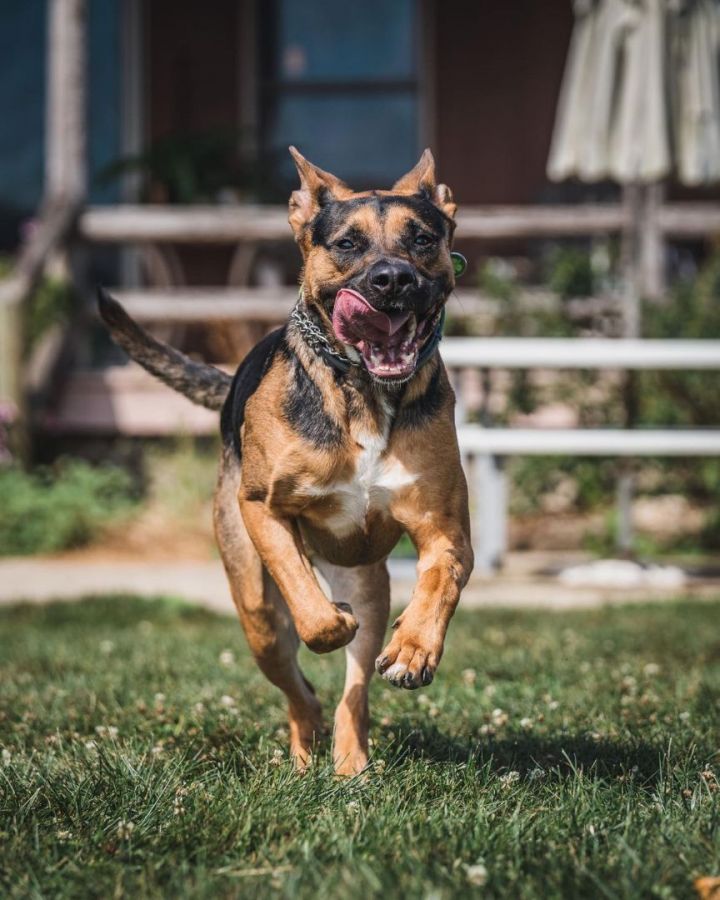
(640, 96)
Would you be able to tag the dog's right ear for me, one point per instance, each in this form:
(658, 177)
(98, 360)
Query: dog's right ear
(316, 188)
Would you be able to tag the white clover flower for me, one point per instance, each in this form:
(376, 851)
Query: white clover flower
(106, 647)
(527, 723)
(651, 669)
(227, 701)
(125, 829)
(499, 717)
(507, 781)
(6, 756)
(476, 875)
(277, 758)
(227, 658)
(469, 677)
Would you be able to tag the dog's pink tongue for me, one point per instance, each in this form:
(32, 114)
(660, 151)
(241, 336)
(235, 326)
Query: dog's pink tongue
(355, 320)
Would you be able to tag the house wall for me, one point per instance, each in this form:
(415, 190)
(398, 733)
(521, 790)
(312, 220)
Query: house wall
(499, 67)
(192, 66)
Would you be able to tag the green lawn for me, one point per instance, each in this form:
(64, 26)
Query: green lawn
(555, 755)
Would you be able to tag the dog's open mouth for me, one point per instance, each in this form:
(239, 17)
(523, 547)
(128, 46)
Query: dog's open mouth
(389, 343)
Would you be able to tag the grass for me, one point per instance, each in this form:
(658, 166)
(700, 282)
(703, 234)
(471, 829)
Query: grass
(556, 755)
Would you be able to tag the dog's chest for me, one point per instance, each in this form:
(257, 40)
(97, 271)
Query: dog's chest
(377, 477)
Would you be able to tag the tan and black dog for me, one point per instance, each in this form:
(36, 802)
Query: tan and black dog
(338, 437)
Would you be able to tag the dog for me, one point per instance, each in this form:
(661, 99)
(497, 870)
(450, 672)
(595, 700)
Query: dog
(337, 438)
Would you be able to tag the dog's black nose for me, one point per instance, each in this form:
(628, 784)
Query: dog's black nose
(392, 277)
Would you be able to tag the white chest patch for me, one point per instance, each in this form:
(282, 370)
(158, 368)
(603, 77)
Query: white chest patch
(375, 481)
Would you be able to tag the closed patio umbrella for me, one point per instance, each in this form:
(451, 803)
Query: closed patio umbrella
(640, 98)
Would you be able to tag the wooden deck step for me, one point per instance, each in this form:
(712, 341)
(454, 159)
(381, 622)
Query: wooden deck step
(208, 304)
(125, 400)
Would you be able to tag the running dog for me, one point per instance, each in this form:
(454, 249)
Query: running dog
(338, 437)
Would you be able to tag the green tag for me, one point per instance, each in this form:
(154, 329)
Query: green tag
(459, 263)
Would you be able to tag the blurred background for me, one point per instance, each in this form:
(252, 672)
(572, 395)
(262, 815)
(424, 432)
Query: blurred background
(144, 147)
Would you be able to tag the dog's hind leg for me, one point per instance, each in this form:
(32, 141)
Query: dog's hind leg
(367, 590)
(267, 622)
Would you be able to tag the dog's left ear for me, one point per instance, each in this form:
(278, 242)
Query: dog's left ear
(316, 188)
(422, 180)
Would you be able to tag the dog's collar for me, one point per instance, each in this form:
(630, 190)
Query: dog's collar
(316, 340)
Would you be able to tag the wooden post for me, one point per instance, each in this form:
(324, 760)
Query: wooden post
(652, 243)
(65, 142)
(632, 244)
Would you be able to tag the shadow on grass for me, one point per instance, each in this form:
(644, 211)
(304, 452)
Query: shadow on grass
(562, 755)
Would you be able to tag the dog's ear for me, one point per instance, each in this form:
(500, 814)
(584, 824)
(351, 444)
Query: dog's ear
(316, 188)
(422, 180)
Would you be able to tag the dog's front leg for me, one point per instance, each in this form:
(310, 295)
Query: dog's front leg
(322, 625)
(445, 561)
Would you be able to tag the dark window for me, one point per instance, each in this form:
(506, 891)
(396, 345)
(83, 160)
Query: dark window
(340, 81)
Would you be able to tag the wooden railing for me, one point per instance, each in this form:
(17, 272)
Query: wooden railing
(484, 449)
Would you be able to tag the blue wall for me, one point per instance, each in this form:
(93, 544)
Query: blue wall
(22, 98)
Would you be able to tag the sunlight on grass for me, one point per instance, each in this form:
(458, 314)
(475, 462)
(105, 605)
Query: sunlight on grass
(556, 755)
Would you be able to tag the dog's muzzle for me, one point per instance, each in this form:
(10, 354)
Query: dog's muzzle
(388, 341)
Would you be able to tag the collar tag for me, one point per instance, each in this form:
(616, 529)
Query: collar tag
(459, 263)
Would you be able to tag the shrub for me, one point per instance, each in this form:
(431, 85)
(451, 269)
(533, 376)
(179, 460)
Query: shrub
(59, 508)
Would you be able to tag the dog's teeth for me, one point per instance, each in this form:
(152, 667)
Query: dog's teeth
(411, 326)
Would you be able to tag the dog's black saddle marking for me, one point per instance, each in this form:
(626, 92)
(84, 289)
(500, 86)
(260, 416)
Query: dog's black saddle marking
(244, 384)
(425, 407)
(305, 411)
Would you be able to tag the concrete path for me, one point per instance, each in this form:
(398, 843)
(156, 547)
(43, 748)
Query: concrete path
(40, 580)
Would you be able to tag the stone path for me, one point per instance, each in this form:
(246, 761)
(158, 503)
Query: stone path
(40, 580)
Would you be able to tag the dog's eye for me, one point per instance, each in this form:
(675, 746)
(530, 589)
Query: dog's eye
(345, 244)
(423, 240)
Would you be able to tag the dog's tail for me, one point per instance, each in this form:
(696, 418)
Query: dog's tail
(199, 382)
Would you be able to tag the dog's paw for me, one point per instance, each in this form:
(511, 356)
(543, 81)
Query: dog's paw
(406, 664)
(334, 627)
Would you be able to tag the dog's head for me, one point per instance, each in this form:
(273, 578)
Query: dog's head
(377, 265)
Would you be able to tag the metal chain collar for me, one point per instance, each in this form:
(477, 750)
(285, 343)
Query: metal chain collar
(314, 336)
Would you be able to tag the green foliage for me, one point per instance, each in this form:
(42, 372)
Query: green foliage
(563, 755)
(181, 477)
(50, 304)
(497, 279)
(59, 508)
(534, 476)
(693, 312)
(196, 167)
(571, 273)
